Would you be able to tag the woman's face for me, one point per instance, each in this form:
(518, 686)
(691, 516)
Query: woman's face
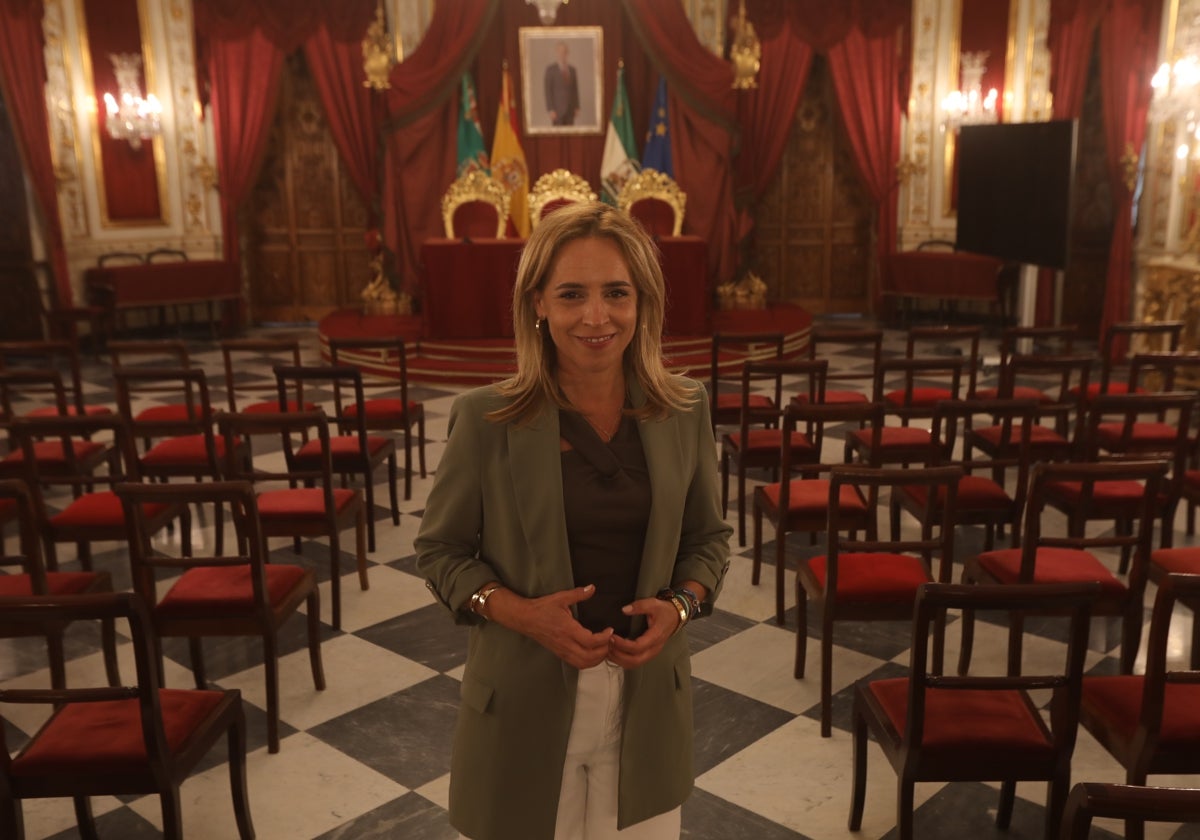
(589, 304)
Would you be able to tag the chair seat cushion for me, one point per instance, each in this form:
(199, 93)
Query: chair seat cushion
(921, 397)
(1109, 435)
(762, 441)
(51, 452)
(1183, 561)
(895, 437)
(1038, 435)
(974, 493)
(1105, 494)
(343, 446)
(968, 720)
(88, 411)
(384, 410)
(272, 407)
(177, 412)
(1052, 565)
(204, 591)
(57, 583)
(106, 736)
(1019, 392)
(301, 501)
(100, 510)
(1093, 389)
(733, 402)
(835, 398)
(185, 450)
(1117, 700)
(811, 495)
(874, 576)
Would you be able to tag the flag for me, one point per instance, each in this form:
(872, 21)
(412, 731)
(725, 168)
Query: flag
(658, 138)
(620, 151)
(471, 154)
(508, 158)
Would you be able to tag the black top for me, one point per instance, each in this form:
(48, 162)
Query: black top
(606, 498)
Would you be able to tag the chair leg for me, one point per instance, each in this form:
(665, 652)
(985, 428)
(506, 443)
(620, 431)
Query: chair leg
(172, 814)
(1131, 636)
(904, 807)
(826, 676)
(741, 478)
(421, 443)
(84, 818)
(894, 518)
(858, 790)
(1008, 794)
(369, 490)
(335, 579)
(968, 641)
(1016, 635)
(108, 644)
(219, 524)
(271, 667)
(12, 820)
(407, 464)
(360, 548)
(196, 651)
(58, 661)
(801, 631)
(1195, 664)
(780, 570)
(314, 639)
(1056, 800)
(237, 776)
(392, 489)
(724, 483)
(756, 563)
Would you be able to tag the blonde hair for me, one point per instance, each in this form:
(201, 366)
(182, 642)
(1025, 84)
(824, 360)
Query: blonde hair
(534, 385)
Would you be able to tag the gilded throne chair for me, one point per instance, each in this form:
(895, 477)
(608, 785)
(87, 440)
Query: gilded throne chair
(655, 200)
(555, 189)
(475, 207)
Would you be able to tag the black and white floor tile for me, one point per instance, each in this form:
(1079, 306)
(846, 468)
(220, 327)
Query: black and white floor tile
(369, 756)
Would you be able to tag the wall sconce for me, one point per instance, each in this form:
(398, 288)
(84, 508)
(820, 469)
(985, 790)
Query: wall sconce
(130, 117)
(970, 106)
(547, 9)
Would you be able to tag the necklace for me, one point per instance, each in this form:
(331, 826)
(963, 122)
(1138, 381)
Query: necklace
(605, 433)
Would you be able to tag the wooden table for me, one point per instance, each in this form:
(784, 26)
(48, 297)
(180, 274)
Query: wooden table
(159, 285)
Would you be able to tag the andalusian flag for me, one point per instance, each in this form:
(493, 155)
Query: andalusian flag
(471, 154)
(620, 151)
(508, 158)
(658, 138)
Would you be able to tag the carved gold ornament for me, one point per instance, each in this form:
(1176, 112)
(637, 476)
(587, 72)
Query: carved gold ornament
(561, 186)
(1129, 161)
(650, 184)
(377, 53)
(745, 52)
(475, 186)
(748, 293)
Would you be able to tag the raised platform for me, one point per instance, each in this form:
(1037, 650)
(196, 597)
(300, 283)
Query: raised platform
(479, 361)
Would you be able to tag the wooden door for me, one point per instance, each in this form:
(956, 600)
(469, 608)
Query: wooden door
(305, 221)
(814, 238)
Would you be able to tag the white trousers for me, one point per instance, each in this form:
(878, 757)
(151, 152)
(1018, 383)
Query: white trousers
(587, 803)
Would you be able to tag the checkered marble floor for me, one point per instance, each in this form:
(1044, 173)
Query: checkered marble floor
(369, 756)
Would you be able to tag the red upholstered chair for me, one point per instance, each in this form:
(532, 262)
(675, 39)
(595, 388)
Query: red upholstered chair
(1028, 341)
(355, 452)
(655, 200)
(730, 352)
(1137, 337)
(46, 389)
(1089, 800)
(157, 354)
(980, 500)
(936, 342)
(475, 206)
(555, 189)
(94, 515)
(1150, 722)
(872, 579)
(1179, 561)
(1044, 558)
(31, 579)
(128, 741)
(864, 344)
(388, 358)
(63, 317)
(802, 504)
(923, 384)
(62, 356)
(243, 595)
(318, 509)
(941, 728)
(240, 354)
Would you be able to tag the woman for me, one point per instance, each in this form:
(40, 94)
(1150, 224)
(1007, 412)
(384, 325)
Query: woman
(575, 523)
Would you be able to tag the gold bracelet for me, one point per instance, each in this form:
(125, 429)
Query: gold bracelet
(479, 599)
(681, 606)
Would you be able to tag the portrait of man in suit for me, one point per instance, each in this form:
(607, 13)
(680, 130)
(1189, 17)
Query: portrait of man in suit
(561, 72)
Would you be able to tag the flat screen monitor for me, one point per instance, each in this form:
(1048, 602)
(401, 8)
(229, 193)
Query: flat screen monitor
(1014, 191)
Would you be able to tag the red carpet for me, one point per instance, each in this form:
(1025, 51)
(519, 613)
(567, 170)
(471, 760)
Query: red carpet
(479, 361)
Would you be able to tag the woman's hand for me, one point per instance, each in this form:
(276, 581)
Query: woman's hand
(548, 620)
(662, 620)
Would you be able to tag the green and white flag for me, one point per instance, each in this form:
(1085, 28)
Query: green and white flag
(620, 161)
(471, 153)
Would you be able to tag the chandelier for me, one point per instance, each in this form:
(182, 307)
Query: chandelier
(130, 117)
(547, 9)
(970, 106)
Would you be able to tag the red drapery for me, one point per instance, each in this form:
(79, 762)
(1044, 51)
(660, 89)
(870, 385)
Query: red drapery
(867, 78)
(350, 108)
(244, 74)
(285, 23)
(1128, 50)
(22, 84)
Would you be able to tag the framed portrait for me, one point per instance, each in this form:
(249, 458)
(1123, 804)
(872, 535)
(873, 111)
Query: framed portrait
(561, 79)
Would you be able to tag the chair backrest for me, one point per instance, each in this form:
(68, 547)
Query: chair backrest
(1071, 601)
(929, 342)
(42, 354)
(946, 371)
(1089, 800)
(954, 421)
(393, 359)
(16, 503)
(166, 255)
(1163, 371)
(655, 200)
(336, 377)
(476, 205)
(1174, 589)
(866, 344)
(730, 353)
(120, 258)
(185, 386)
(555, 189)
(164, 353)
(811, 372)
(1037, 341)
(1158, 336)
(24, 389)
(27, 431)
(816, 419)
(256, 352)
(289, 426)
(1113, 421)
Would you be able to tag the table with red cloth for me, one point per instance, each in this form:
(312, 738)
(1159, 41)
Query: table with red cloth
(941, 274)
(162, 284)
(466, 286)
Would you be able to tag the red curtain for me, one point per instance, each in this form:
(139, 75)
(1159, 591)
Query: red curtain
(1128, 51)
(244, 73)
(23, 84)
(285, 23)
(867, 78)
(350, 108)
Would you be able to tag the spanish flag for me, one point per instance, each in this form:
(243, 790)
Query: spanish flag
(508, 158)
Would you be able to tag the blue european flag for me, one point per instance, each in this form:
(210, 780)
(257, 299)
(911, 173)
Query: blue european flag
(657, 154)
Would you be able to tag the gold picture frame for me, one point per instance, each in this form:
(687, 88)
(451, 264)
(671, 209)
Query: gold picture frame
(544, 84)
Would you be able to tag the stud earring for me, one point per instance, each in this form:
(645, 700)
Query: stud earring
(537, 324)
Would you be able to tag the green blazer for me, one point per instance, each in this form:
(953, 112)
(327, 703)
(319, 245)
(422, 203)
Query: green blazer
(496, 513)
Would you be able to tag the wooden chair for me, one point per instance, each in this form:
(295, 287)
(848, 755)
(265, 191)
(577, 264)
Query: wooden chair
(1028, 341)
(923, 379)
(222, 596)
(980, 500)
(318, 509)
(127, 741)
(52, 355)
(655, 200)
(1160, 336)
(730, 352)
(802, 504)
(1044, 558)
(385, 413)
(238, 354)
(157, 354)
(1150, 722)
(975, 728)
(1179, 561)
(872, 579)
(354, 451)
(937, 342)
(1090, 800)
(94, 515)
(867, 344)
(86, 456)
(62, 318)
(32, 580)
(475, 206)
(760, 448)
(553, 190)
